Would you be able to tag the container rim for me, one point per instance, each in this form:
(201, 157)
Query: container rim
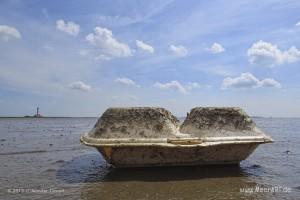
(173, 142)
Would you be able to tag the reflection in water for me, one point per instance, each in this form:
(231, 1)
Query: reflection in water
(92, 168)
(85, 168)
(103, 182)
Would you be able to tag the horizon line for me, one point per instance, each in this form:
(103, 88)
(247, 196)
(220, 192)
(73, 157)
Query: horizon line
(100, 116)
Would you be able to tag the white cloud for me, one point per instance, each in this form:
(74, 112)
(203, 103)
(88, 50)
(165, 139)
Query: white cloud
(144, 47)
(108, 46)
(8, 32)
(195, 85)
(171, 85)
(179, 50)
(102, 57)
(269, 82)
(297, 24)
(68, 27)
(216, 48)
(183, 88)
(247, 80)
(266, 54)
(79, 85)
(126, 81)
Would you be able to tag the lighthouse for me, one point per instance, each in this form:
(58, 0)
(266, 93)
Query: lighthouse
(37, 113)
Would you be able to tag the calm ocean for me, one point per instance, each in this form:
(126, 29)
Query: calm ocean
(43, 159)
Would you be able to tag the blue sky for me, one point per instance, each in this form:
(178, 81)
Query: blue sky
(77, 58)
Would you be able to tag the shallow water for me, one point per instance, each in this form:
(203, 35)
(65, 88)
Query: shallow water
(43, 159)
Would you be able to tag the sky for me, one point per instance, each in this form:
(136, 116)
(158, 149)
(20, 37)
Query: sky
(77, 58)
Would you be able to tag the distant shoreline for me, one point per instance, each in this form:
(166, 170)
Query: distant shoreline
(1, 117)
(53, 117)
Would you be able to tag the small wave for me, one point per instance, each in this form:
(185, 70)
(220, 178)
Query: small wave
(59, 161)
(255, 166)
(298, 187)
(39, 151)
(23, 152)
(287, 152)
(50, 170)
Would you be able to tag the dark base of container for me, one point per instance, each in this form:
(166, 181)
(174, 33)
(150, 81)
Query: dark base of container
(152, 156)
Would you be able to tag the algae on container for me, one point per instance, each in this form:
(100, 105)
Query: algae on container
(147, 136)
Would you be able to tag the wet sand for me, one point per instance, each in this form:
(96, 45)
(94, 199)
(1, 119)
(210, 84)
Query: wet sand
(43, 159)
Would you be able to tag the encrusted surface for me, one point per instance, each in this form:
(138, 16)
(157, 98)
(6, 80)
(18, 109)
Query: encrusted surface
(218, 121)
(136, 122)
(150, 122)
(160, 156)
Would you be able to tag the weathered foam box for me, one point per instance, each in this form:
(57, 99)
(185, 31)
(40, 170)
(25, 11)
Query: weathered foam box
(147, 136)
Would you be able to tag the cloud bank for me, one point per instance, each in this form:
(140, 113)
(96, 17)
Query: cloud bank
(267, 54)
(247, 80)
